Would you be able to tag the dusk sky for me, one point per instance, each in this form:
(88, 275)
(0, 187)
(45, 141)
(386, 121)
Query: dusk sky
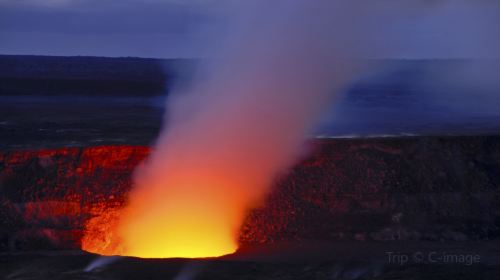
(177, 28)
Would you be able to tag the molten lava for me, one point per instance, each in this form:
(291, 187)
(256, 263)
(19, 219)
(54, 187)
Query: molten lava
(177, 216)
(189, 227)
(181, 222)
(192, 231)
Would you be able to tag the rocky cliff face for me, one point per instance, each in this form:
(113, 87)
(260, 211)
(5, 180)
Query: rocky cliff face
(419, 188)
(48, 196)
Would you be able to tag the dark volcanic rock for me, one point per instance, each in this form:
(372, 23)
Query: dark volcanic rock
(387, 189)
(422, 188)
(50, 194)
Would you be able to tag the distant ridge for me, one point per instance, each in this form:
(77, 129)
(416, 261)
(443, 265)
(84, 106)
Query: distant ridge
(82, 75)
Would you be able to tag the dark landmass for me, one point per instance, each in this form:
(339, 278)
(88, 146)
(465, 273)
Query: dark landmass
(22, 75)
(94, 76)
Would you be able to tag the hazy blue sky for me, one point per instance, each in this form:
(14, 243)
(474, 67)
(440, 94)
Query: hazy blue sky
(181, 28)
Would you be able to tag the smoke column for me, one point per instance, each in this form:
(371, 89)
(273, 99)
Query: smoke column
(240, 123)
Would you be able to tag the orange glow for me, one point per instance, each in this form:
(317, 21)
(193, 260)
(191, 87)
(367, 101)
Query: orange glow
(100, 232)
(182, 222)
(190, 228)
(190, 198)
(189, 233)
(173, 217)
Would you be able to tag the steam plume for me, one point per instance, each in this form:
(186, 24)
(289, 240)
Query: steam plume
(241, 122)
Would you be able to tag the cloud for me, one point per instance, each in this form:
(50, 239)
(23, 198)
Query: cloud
(81, 17)
(419, 29)
(37, 3)
(148, 28)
